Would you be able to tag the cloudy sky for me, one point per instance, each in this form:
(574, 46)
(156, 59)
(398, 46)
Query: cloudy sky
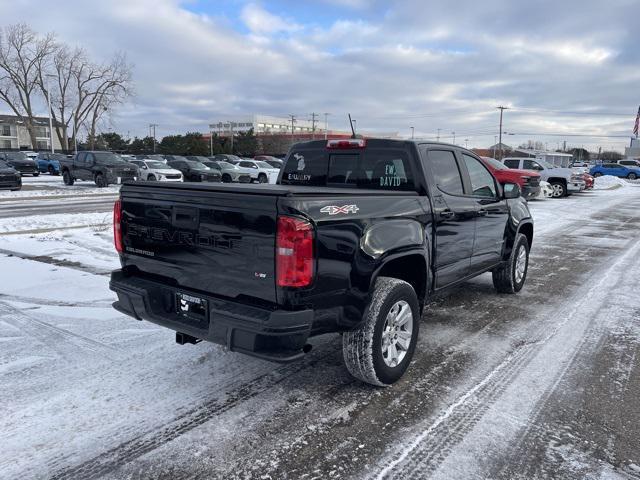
(564, 67)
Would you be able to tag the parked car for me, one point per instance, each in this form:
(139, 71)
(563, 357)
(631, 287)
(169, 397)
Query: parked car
(194, 171)
(10, 178)
(615, 169)
(562, 180)
(529, 181)
(30, 154)
(49, 162)
(103, 168)
(261, 172)
(151, 156)
(156, 171)
(227, 157)
(273, 161)
(22, 163)
(355, 238)
(229, 171)
(629, 163)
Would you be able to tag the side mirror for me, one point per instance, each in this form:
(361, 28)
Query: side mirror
(511, 190)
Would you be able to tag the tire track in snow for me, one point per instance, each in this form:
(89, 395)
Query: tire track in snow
(432, 446)
(141, 444)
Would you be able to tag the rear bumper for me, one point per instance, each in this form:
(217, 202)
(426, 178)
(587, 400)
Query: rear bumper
(574, 186)
(275, 335)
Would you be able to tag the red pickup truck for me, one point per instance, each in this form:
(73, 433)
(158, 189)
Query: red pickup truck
(528, 180)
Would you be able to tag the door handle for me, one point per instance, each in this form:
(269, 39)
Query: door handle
(483, 213)
(447, 214)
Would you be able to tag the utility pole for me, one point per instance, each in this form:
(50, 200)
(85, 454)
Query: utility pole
(326, 124)
(466, 143)
(502, 109)
(454, 137)
(438, 137)
(293, 120)
(313, 125)
(153, 126)
(495, 140)
(231, 125)
(412, 132)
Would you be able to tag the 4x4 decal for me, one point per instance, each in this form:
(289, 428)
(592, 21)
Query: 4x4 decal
(334, 209)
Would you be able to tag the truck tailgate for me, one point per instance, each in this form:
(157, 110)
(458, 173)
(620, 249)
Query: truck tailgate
(219, 242)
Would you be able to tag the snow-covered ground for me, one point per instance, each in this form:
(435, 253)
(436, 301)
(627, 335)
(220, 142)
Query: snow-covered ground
(541, 384)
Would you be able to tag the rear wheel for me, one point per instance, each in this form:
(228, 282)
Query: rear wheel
(226, 178)
(151, 177)
(67, 178)
(510, 277)
(381, 349)
(597, 174)
(632, 176)
(262, 178)
(35, 174)
(559, 189)
(51, 170)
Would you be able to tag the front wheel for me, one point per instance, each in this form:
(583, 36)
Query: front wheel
(226, 178)
(101, 182)
(510, 277)
(632, 176)
(36, 174)
(67, 178)
(151, 177)
(51, 170)
(559, 189)
(597, 174)
(262, 178)
(381, 349)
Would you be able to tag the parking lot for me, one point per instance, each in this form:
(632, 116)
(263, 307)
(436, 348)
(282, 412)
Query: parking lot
(543, 384)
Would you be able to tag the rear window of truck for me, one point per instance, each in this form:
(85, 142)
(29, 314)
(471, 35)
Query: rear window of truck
(370, 169)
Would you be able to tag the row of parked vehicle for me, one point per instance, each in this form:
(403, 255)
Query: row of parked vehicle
(105, 168)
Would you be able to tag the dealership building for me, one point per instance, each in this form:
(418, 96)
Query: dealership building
(263, 124)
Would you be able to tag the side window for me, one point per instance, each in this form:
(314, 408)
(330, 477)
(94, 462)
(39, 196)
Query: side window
(89, 160)
(514, 163)
(531, 165)
(482, 182)
(446, 171)
(80, 159)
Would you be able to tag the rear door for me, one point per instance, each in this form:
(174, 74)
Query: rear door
(491, 213)
(454, 214)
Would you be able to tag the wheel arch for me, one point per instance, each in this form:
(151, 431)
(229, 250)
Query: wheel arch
(410, 266)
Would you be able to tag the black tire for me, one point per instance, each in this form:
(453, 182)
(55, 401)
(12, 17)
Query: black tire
(67, 178)
(262, 178)
(226, 178)
(597, 174)
(632, 176)
(151, 177)
(363, 348)
(36, 174)
(16, 189)
(505, 278)
(101, 182)
(559, 189)
(51, 170)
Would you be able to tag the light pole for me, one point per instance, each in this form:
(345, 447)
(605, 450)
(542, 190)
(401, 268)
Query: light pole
(50, 120)
(454, 137)
(326, 125)
(438, 137)
(466, 143)
(153, 126)
(412, 132)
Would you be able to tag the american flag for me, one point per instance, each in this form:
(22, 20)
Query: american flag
(635, 128)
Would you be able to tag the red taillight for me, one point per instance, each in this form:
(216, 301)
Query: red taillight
(352, 143)
(294, 252)
(117, 226)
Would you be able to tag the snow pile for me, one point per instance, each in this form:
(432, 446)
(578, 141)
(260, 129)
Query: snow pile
(55, 221)
(608, 182)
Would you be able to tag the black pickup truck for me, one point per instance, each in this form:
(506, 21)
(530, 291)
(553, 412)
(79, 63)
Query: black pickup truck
(354, 238)
(103, 168)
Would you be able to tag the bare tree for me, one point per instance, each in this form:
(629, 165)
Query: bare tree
(23, 55)
(113, 89)
(57, 81)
